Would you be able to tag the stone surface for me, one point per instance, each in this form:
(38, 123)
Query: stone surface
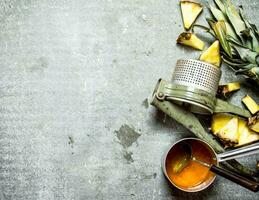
(75, 83)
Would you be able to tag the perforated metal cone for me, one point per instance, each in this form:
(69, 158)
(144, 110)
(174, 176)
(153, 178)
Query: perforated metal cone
(197, 74)
(196, 84)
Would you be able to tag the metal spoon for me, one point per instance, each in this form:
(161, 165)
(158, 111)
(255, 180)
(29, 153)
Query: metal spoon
(185, 156)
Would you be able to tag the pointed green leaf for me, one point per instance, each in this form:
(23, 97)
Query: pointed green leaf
(220, 16)
(232, 40)
(204, 28)
(233, 64)
(220, 6)
(217, 13)
(252, 32)
(225, 107)
(220, 30)
(246, 54)
(234, 18)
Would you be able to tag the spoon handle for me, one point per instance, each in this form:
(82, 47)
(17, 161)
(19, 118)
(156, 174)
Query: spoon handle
(240, 152)
(236, 178)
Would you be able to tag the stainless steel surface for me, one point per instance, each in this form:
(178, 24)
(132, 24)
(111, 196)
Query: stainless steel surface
(238, 153)
(197, 74)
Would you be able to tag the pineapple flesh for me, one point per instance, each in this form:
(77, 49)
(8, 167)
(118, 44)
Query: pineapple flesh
(227, 89)
(245, 135)
(255, 126)
(232, 131)
(229, 132)
(250, 104)
(190, 12)
(212, 54)
(190, 39)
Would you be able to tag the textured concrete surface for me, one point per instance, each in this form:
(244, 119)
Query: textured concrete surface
(75, 120)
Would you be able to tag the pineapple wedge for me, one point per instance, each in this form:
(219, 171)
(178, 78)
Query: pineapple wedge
(229, 132)
(190, 11)
(245, 135)
(212, 54)
(255, 127)
(190, 39)
(250, 104)
(218, 121)
(226, 90)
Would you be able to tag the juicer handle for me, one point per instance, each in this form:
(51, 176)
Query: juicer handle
(240, 152)
(236, 178)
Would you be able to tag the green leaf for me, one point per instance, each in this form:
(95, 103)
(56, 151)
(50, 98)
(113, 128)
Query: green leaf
(220, 30)
(252, 32)
(220, 16)
(225, 107)
(246, 54)
(232, 40)
(245, 69)
(233, 64)
(234, 18)
(188, 120)
(217, 13)
(220, 6)
(209, 30)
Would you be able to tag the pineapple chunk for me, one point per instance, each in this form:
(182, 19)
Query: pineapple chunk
(218, 121)
(212, 54)
(221, 122)
(190, 12)
(255, 127)
(191, 40)
(250, 104)
(226, 90)
(229, 132)
(245, 135)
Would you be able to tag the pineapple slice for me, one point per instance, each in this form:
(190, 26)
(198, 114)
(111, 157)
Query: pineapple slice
(226, 90)
(190, 11)
(245, 135)
(221, 122)
(229, 132)
(255, 127)
(212, 54)
(250, 104)
(190, 39)
(218, 121)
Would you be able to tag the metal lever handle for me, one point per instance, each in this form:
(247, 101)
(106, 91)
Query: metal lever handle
(237, 153)
(236, 178)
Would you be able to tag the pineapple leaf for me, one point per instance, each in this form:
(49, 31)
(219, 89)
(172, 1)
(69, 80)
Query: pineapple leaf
(210, 21)
(245, 69)
(220, 6)
(252, 32)
(204, 28)
(233, 64)
(220, 31)
(232, 40)
(218, 15)
(246, 33)
(234, 18)
(246, 54)
(253, 74)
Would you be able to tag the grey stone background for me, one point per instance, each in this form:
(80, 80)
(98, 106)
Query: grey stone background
(75, 81)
